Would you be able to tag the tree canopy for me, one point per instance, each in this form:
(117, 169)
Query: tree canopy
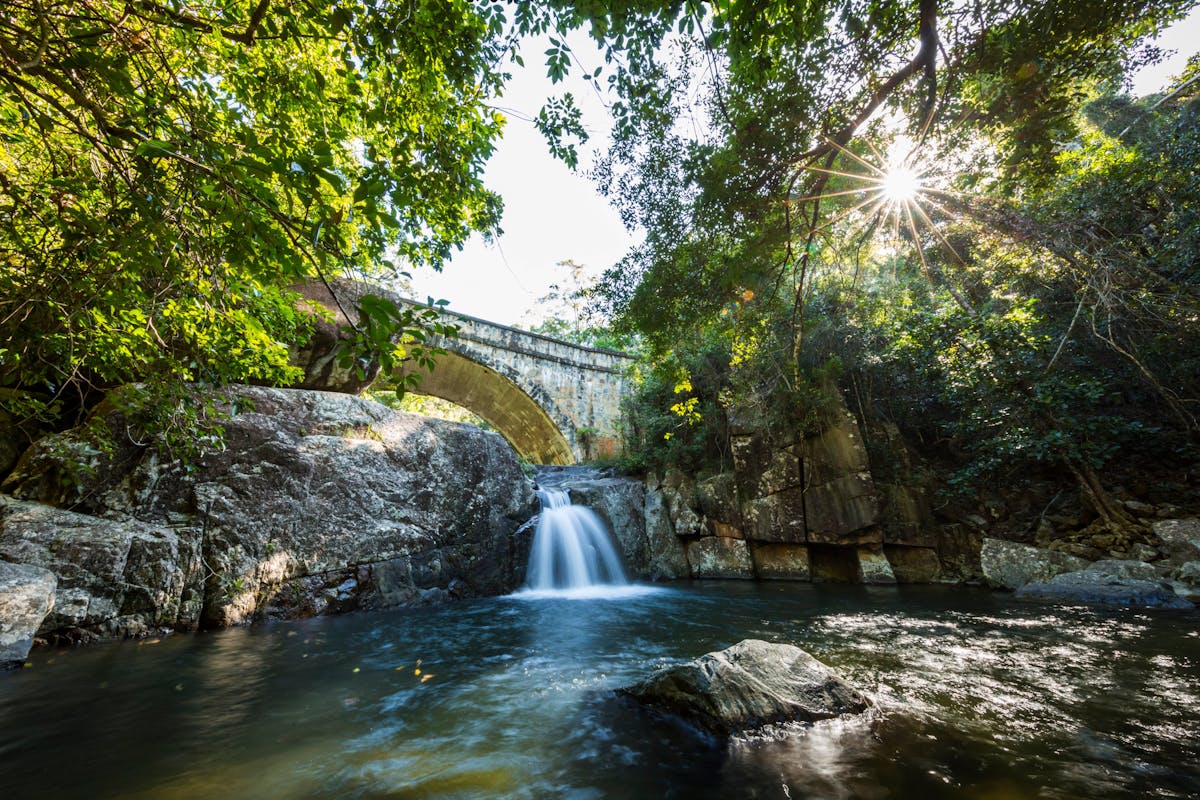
(169, 170)
(1030, 296)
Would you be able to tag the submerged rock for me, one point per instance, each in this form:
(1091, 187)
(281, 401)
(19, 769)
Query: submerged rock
(752, 684)
(26, 597)
(1105, 585)
(1124, 568)
(1010, 565)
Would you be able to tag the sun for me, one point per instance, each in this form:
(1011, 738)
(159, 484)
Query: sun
(898, 191)
(900, 184)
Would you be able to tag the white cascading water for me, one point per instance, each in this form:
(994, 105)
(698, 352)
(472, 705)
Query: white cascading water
(573, 552)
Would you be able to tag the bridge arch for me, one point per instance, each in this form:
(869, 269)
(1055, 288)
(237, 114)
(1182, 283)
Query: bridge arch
(535, 428)
(556, 402)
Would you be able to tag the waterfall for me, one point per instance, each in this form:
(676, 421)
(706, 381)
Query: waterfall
(573, 552)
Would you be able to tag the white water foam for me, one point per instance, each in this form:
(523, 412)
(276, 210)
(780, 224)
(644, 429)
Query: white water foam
(574, 555)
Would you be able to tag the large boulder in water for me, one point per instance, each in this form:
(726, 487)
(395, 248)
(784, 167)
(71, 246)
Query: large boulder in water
(1010, 565)
(114, 577)
(318, 502)
(751, 684)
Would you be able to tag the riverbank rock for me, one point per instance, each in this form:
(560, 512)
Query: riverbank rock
(115, 578)
(914, 564)
(26, 597)
(667, 554)
(1112, 582)
(1180, 539)
(873, 566)
(1010, 565)
(1187, 581)
(752, 684)
(318, 502)
(720, 557)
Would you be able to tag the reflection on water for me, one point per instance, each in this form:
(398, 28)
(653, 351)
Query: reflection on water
(977, 695)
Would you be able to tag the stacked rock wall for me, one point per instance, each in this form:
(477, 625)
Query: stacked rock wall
(804, 510)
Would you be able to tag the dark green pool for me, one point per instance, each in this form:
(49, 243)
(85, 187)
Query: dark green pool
(978, 696)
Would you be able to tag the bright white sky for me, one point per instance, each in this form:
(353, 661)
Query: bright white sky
(553, 214)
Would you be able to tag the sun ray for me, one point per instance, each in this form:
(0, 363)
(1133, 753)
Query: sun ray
(938, 232)
(895, 239)
(900, 192)
(875, 150)
(841, 216)
(856, 176)
(950, 212)
(912, 227)
(825, 195)
(855, 156)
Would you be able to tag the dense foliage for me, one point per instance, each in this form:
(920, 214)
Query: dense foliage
(168, 171)
(1032, 298)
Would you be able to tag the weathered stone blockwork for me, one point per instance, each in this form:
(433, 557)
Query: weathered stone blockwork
(556, 402)
(806, 510)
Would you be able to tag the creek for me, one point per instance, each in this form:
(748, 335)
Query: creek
(978, 695)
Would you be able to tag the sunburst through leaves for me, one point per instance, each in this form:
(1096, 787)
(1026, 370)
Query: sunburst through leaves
(893, 192)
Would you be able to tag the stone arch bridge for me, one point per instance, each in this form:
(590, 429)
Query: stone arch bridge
(556, 402)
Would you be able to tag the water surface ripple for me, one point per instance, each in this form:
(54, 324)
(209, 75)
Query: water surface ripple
(978, 696)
